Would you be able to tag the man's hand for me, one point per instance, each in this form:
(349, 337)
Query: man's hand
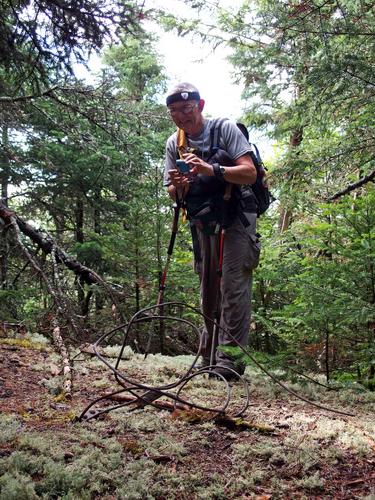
(179, 184)
(198, 166)
(243, 170)
(178, 180)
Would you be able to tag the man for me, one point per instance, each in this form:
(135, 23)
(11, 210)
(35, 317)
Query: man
(228, 296)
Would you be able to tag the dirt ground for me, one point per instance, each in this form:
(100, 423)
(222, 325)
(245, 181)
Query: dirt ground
(303, 451)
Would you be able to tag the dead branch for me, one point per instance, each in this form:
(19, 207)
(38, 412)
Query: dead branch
(67, 386)
(184, 412)
(368, 178)
(67, 372)
(30, 258)
(61, 296)
(47, 244)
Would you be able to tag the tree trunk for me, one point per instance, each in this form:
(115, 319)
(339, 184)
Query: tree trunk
(371, 370)
(79, 220)
(79, 214)
(97, 229)
(66, 365)
(4, 176)
(327, 367)
(137, 278)
(159, 254)
(46, 243)
(285, 217)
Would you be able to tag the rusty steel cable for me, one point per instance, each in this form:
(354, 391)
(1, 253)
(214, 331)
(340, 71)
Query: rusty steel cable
(144, 394)
(150, 393)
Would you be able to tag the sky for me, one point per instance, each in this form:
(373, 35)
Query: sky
(207, 70)
(188, 59)
(210, 72)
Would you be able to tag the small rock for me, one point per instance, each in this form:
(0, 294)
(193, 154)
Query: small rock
(6, 393)
(59, 406)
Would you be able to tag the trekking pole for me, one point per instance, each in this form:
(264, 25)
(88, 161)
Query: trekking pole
(176, 208)
(215, 334)
(160, 309)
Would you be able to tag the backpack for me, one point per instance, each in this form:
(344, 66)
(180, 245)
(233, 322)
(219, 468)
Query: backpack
(205, 205)
(244, 195)
(260, 189)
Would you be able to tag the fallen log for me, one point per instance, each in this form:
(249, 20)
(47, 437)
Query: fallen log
(193, 415)
(67, 374)
(47, 244)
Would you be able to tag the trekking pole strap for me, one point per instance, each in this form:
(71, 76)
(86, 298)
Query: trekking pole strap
(221, 252)
(176, 209)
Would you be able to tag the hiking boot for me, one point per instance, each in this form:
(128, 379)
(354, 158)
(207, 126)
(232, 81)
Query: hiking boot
(240, 368)
(205, 363)
(227, 373)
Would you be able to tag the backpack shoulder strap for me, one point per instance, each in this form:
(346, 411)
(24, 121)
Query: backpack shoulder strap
(181, 142)
(257, 154)
(215, 135)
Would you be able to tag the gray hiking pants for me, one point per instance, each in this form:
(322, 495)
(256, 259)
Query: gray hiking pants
(228, 297)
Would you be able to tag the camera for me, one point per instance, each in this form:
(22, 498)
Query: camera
(182, 166)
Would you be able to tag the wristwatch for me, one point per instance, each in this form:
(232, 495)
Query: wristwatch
(219, 171)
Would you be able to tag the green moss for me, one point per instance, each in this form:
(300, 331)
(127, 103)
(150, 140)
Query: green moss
(215, 490)
(164, 444)
(244, 481)
(54, 385)
(16, 487)
(100, 384)
(27, 463)
(139, 481)
(114, 351)
(244, 451)
(143, 421)
(9, 427)
(57, 481)
(93, 467)
(312, 483)
(41, 444)
(26, 343)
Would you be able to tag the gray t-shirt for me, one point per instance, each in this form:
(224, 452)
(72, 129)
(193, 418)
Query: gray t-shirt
(232, 141)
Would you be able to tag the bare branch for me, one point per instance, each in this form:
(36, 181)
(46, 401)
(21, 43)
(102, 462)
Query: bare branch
(353, 186)
(62, 298)
(67, 371)
(48, 245)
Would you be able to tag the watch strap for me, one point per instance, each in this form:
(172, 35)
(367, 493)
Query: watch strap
(218, 171)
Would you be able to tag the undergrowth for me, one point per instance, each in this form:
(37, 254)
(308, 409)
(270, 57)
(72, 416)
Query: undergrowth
(148, 454)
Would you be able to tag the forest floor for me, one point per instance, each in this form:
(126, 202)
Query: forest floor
(303, 451)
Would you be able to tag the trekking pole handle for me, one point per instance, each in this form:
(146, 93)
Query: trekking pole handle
(176, 209)
(228, 191)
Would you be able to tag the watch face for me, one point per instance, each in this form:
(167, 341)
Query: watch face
(222, 170)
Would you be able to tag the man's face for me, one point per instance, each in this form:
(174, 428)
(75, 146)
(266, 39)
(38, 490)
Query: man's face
(187, 115)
